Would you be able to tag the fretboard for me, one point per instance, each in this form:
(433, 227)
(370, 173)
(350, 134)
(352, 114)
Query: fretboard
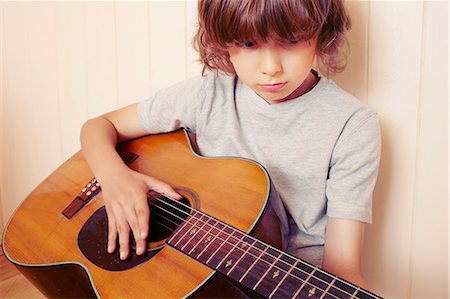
(268, 271)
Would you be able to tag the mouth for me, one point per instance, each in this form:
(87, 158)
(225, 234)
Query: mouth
(273, 87)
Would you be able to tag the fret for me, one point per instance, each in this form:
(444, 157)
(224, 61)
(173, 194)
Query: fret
(322, 280)
(307, 290)
(259, 249)
(206, 238)
(273, 276)
(282, 292)
(354, 294)
(224, 241)
(343, 289)
(326, 293)
(188, 228)
(234, 254)
(212, 244)
(195, 234)
(316, 284)
(271, 266)
(295, 283)
(181, 230)
(259, 268)
(249, 255)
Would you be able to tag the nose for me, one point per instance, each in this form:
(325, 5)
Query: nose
(270, 61)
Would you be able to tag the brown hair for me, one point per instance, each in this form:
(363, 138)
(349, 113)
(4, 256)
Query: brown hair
(221, 22)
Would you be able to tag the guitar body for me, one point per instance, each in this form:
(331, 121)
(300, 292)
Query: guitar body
(48, 248)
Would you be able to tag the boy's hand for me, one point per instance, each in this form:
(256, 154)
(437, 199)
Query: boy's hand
(125, 196)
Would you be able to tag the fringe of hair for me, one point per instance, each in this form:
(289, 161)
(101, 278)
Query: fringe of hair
(222, 22)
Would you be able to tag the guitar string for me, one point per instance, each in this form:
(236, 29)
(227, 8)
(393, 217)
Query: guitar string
(256, 257)
(279, 251)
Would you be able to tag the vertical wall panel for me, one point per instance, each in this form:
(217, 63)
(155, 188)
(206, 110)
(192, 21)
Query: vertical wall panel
(72, 81)
(193, 66)
(132, 51)
(430, 218)
(101, 61)
(354, 78)
(30, 123)
(393, 84)
(17, 77)
(44, 87)
(167, 43)
(2, 98)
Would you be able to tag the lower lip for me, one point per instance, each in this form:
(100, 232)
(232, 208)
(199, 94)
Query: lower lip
(273, 87)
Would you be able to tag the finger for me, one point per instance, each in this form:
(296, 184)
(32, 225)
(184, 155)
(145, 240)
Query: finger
(138, 218)
(112, 232)
(162, 188)
(124, 238)
(134, 225)
(143, 213)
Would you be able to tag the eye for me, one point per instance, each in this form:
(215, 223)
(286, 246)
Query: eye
(246, 45)
(291, 42)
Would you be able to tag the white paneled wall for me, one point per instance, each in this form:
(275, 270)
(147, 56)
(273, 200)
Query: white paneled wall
(431, 173)
(2, 98)
(64, 62)
(394, 93)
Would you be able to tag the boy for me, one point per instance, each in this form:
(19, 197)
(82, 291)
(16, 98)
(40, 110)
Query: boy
(259, 98)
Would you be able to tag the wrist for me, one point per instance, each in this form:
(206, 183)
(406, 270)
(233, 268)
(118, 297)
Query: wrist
(111, 172)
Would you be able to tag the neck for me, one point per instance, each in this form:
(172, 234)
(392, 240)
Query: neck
(309, 83)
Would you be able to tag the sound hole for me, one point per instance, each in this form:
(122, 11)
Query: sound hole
(165, 216)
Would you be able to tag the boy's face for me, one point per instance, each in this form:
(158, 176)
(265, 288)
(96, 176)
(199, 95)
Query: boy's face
(275, 70)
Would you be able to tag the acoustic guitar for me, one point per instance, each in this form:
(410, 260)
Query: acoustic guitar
(223, 229)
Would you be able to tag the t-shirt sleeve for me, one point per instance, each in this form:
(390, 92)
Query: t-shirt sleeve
(173, 107)
(354, 168)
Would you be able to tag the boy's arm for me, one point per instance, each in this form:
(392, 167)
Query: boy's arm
(124, 190)
(343, 249)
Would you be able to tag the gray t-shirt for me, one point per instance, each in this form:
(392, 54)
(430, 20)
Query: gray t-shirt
(321, 149)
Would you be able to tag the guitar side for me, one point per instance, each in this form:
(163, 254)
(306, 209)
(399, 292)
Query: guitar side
(42, 242)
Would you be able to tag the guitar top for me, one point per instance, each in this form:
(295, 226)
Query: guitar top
(39, 235)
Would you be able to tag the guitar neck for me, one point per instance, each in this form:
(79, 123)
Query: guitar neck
(268, 271)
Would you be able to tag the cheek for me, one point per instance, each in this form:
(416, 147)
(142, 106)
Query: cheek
(302, 60)
(233, 54)
(240, 64)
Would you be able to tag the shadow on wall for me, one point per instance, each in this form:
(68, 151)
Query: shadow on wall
(375, 243)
